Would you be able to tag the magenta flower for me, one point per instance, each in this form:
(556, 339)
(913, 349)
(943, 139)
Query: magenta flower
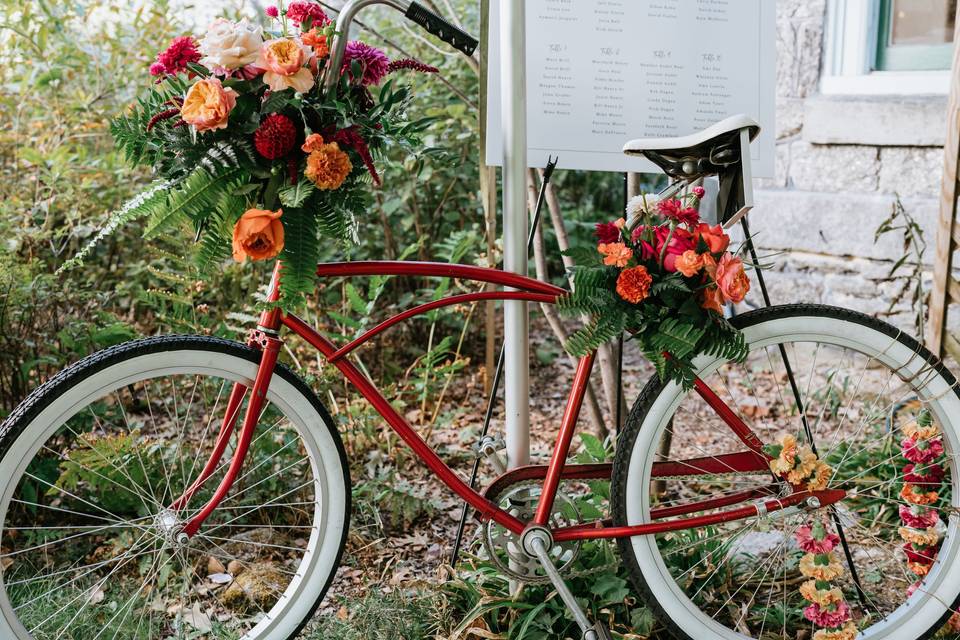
(923, 451)
(607, 233)
(918, 517)
(810, 544)
(674, 210)
(699, 192)
(272, 11)
(830, 617)
(181, 52)
(300, 12)
(913, 588)
(374, 63)
(926, 475)
(920, 555)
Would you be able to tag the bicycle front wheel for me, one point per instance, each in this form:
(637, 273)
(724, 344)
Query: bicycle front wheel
(92, 461)
(860, 384)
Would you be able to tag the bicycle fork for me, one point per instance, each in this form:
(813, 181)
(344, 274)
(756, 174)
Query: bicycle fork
(266, 338)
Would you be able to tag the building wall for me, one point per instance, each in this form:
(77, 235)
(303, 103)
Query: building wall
(841, 163)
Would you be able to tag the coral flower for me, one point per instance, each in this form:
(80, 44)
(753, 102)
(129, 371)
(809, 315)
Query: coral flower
(805, 465)
(918, 517)
(713, 300)
(832, 616)
(327, 165)
(208, 104)
(283, 61)
(822, 597)
(633, 285)
(785, 459)
(316, 41)
(615, 254)
(258, 235)
(919, 568)
(820, 477)
(915, 495)
(732, 279)
(807, 541)
(689, 263)
(848, 632)
(713, 237)
(812, 568)
(921, 451)
(922, 537)
(920, 432)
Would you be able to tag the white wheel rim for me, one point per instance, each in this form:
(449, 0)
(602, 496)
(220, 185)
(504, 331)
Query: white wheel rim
(918, 614)
(322, 550)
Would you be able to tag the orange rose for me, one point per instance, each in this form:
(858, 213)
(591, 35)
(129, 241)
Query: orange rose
(714, 237)
(732, 279)
(283, 60)
(327, 165)
(616, 254)
(689, 263)
(712, 300)
(258, 235)
(633, 285)
(208, 104)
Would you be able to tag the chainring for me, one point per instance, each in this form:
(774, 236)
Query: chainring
(503, 546)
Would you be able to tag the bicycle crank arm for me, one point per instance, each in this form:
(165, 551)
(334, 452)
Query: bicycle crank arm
(536, 542)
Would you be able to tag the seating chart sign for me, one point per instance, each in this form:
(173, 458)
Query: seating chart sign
(601, 72)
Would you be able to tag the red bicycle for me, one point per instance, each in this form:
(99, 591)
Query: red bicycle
(133, 472)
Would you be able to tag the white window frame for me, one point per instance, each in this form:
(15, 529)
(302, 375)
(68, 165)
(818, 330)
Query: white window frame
(850, 51)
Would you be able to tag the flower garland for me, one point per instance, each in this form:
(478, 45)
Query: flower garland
(827, 609)
(923, 478)
(799, 465)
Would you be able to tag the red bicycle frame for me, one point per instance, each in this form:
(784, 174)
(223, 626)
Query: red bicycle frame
(267, 338)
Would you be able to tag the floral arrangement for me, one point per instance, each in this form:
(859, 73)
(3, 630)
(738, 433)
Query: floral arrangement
(798, 464)
(664, 278)
(252, 152)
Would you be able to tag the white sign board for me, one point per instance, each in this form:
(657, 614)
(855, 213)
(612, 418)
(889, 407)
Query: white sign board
(602, 72)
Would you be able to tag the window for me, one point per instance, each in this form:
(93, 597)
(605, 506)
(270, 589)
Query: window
(895, 47)
(915, 35)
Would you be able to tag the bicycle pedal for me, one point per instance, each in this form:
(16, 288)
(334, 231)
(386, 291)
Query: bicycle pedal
(489, 447)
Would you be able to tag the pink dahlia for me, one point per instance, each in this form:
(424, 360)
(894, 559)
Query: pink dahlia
(181, 52)
(272, 11)
(922, 451)
(300, 12)
(831, 617)
(374, 63)
(918, 517)
(607, 232)
(811, 543)
(699, 192)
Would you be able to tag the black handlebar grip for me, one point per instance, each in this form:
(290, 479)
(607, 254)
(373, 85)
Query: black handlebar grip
(439, 27)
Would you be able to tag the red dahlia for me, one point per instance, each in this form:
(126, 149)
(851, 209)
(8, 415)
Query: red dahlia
(275, 136)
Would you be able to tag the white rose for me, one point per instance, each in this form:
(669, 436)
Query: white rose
(230, 45)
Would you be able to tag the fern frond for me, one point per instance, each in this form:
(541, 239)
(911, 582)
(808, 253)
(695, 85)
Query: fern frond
(137, 207)
(601, 330)
(300, 252)
(195, 197)
(676, 337)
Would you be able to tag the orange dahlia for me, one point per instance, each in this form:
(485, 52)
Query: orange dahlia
(327, 165)
(633, 285)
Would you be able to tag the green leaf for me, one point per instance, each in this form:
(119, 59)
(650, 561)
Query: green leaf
(594, 446)
(295, 195)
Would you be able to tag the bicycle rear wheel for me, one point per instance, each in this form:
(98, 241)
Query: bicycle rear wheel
(860, 381)
(93, 459)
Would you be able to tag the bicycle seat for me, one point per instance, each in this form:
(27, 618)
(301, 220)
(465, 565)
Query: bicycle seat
(706, 152)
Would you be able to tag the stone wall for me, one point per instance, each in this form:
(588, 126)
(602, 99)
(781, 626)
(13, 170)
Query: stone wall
(841, 163)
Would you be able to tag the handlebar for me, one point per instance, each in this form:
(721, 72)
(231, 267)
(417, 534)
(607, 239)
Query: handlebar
(414, 12)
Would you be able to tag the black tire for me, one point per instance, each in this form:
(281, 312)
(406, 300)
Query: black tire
(76, 373)
(627, 439)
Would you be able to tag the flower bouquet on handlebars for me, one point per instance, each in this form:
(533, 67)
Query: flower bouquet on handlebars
(263, 140)
(664, 277)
